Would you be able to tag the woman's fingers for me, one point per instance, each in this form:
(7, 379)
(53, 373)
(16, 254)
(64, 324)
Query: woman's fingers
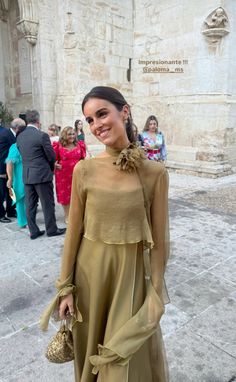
(62, 310)
(66, 307)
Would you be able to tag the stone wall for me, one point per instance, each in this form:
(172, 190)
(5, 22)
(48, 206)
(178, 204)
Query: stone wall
(191, 87)
(195, 107)
(94, 48)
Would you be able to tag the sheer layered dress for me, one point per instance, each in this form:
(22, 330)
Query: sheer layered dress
(114, 258)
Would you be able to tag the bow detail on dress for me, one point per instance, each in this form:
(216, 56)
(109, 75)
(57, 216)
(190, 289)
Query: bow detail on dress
(129, 159)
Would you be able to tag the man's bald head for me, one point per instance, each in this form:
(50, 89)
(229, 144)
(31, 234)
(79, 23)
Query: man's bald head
(16, 123)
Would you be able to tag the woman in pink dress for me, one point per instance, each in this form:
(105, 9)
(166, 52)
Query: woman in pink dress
(68, 151)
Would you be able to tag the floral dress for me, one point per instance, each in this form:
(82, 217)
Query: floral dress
(155, 148)
(67, 158)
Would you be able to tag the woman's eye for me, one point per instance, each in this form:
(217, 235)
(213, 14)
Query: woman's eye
(102, 114)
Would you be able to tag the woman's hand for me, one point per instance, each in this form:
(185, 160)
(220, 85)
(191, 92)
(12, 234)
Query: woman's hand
(58, 166)
(9, 183)
(66, 306)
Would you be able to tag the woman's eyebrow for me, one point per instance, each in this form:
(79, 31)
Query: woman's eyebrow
(97, 113)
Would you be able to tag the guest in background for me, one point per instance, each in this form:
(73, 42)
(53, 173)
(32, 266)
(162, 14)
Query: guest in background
(78, 126)
(15, 175)
(79, 130)
(38, 158)
(68, 151)
(7, 138)
(153, 140)
(138, 136)
(53, 132)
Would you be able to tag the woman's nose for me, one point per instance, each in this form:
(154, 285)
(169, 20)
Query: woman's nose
(97, 123)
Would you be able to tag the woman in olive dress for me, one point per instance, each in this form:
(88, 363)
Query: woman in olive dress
(118, 227)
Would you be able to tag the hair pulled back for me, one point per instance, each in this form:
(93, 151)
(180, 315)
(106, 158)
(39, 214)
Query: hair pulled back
(113, 96)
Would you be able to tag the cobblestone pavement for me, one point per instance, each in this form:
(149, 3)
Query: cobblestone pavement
(200, 322)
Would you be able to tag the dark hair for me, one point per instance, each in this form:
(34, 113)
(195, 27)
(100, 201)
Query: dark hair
(113, 96)
(32, 116)
(20, 130)
(150, 118)
(76, 126)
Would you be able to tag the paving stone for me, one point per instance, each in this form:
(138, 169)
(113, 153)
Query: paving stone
(196, 258)
(193, 359)
(226, 269)
(217, 325)
(173, 319)
(197, 294)
(44, 274)
(23, 301)
(27, 349)
(177, 274)
(5, 325)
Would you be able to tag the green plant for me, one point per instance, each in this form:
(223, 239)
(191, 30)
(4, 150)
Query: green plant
(5, 114)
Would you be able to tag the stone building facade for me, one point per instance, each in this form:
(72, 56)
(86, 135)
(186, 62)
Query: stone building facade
(175, 59)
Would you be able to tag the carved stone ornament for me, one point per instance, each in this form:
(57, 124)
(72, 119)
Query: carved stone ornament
(216, 25)
(29, 28)
(3, 10)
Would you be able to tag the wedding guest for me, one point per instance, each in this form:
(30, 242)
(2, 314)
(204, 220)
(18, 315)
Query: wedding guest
(7, 138)
(68, 151)
(38, 158)
(79, 130)
(118, 209)
(153, 140)
(53, 132)
(15, 175)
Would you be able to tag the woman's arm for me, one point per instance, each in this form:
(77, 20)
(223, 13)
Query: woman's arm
(160, 230)
(9, 174)
(75, 226)
(163, 149)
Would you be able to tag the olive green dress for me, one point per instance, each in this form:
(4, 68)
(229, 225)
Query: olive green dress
(116, 248)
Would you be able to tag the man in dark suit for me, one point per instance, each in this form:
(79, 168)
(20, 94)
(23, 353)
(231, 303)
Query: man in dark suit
(7, 138)
(38, 159)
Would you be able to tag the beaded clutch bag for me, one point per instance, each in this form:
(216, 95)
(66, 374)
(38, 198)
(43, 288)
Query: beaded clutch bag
(60, 347)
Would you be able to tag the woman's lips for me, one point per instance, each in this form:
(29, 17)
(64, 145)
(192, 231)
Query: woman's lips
(103, 133)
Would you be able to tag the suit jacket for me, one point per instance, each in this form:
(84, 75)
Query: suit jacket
(38, 156)
(6, 140)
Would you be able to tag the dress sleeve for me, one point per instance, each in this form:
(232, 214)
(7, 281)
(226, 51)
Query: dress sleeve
(75, 227)
(163, 149)
(73, 237)
(13, 155)
(55, 146)
(160, 231)
(82, 148)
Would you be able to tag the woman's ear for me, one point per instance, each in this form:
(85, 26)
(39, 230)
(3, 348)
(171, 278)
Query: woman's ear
(126, 112)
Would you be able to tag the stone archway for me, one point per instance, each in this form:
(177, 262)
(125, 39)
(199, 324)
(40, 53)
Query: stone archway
(18, 27)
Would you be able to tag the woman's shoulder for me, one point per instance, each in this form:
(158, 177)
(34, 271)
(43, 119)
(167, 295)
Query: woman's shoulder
(14, 150)
(152, 168)
(83, 165)
(144, 133)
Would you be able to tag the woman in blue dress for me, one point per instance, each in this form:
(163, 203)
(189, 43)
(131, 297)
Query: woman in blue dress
(15, 181)
(153, 140)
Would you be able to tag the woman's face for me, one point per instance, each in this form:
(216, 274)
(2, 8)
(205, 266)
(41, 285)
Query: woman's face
(152, 126)
(70, 135)
(80, 125)
(106, 123)
(51, 132)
